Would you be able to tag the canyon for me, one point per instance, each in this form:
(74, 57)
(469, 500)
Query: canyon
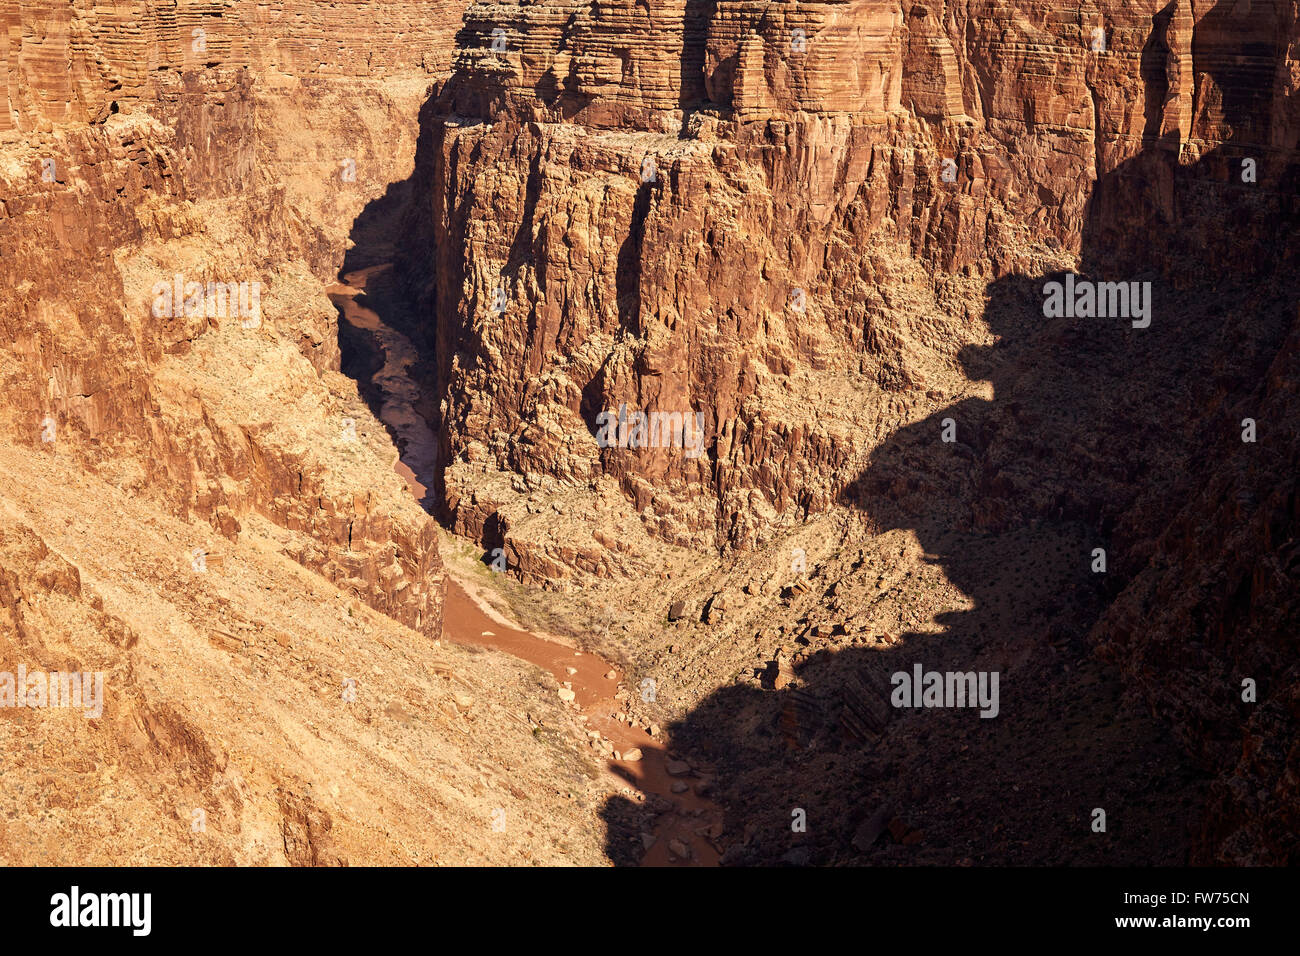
(368, 587)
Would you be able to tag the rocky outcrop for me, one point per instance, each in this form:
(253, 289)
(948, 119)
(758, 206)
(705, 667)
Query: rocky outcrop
(197, 504)
(804, 261)
(230, 146)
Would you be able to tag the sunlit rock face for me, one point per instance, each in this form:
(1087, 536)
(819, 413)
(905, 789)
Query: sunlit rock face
(208, 145)
(652, 188)
(197, 505)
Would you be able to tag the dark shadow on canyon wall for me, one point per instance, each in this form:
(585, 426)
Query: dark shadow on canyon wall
(696, 17)
(1097, 435)
(397, 228)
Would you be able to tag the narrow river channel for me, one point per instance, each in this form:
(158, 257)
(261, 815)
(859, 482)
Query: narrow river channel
(686, 819)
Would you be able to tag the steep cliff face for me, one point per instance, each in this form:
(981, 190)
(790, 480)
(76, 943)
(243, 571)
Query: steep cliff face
(829, 228)
(231, 146)
(807, 257)
(197, 503)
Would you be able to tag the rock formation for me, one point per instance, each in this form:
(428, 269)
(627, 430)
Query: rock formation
(828, 228)
(198, 503)
(826, 232)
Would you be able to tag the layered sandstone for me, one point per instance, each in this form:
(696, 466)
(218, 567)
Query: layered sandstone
(834, 245)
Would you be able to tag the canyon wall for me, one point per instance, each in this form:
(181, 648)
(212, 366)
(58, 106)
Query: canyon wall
(197, 504)
(825, 228)
(791, 232)
(224, 143)
(828, 228)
